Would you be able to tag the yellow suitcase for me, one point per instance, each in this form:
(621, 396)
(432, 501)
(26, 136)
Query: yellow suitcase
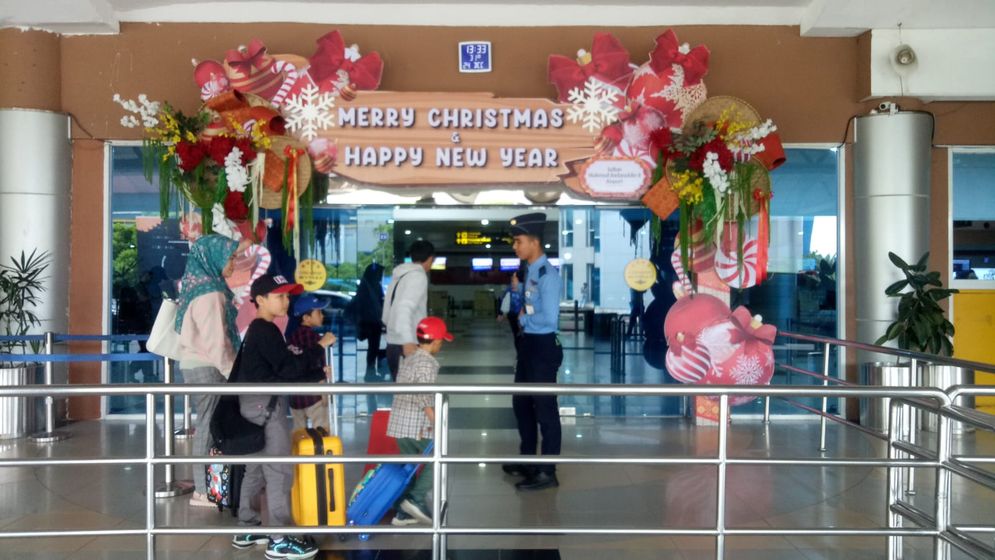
(318, 495)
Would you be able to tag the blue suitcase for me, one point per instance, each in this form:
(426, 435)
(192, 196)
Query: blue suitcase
(378, 491)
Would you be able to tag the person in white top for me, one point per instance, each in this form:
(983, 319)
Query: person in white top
(406, 303)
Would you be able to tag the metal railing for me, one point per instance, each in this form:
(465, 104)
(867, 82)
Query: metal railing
(903, 454)
(442, 459)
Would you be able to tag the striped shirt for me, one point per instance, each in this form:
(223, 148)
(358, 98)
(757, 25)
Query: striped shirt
(407, 415)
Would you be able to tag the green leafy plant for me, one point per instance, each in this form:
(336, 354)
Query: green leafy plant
(920, 325)
(21, 286)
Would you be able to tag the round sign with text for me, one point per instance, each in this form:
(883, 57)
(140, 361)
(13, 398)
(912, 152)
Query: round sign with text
(311, 274)
(640, 274)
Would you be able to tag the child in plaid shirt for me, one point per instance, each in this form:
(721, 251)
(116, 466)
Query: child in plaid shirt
(309, 407)
(412, 416)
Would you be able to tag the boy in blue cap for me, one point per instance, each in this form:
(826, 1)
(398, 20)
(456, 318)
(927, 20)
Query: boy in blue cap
(309, 407)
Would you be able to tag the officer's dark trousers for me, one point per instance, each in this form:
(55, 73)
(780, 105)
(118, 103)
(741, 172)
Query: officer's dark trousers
(539, 358)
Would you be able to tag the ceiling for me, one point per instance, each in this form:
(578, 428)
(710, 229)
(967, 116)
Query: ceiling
(814, 17)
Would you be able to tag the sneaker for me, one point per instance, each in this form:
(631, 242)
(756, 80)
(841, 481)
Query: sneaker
(416, 510)
(403, 520)
(200, 500)
(293, 548)
(248, 540)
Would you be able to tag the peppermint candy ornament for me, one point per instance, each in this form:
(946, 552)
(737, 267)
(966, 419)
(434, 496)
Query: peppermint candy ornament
(734, 273)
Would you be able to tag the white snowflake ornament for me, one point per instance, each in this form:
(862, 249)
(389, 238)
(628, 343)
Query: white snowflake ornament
(594, 106)
(310, 111)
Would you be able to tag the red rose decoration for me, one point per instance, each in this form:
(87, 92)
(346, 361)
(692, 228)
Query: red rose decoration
(245, 146)
(220, 148)
(235, 207)
(191, 154)
(716, 146)
(661, 141)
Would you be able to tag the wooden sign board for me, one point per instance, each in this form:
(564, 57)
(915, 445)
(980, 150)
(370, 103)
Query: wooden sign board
(391, 138)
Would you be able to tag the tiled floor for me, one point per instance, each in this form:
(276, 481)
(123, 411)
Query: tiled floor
(627, 496)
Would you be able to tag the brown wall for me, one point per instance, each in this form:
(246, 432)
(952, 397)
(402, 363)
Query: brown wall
(809, 86)
(30, 69)
(86, 252)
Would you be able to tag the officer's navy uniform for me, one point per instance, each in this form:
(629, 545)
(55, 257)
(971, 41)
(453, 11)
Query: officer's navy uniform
(539, 350)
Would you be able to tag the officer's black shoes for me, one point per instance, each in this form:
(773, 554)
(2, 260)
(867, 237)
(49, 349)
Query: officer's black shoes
(539, 481)
(515, 469)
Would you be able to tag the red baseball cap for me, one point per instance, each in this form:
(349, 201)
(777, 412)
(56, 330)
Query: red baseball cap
(433, 328)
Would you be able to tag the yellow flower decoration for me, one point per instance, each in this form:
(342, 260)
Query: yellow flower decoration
(688, 186)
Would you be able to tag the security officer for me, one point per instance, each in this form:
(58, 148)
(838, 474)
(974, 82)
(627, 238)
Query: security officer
(539, 354)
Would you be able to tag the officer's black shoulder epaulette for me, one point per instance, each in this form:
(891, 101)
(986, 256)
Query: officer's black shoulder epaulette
(542, 271)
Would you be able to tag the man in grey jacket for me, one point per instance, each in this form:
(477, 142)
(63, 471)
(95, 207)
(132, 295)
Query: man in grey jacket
(406, 303)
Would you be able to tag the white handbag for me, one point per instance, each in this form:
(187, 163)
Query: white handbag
(164, 340)
(506, 303)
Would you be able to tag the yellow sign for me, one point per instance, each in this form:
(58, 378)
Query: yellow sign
(311, 274)
(471, 238)
(640, 274)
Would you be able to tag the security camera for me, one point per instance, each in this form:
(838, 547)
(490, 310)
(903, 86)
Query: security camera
(883, 107)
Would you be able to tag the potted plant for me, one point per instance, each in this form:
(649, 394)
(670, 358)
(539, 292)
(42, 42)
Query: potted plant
(21, 286)
(921, 326)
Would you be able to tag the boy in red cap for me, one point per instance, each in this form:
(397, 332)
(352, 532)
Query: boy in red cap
(412, 416)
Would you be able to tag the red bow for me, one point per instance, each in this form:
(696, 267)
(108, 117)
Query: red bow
(668, 51)
(609, 62)
(677, 345)
(745, 333)
(253, 57)
(364, 74)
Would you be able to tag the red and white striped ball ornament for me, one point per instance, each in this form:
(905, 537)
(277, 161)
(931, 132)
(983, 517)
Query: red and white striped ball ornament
(688, 363)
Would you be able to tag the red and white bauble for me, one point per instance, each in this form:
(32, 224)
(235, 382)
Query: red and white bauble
(689, 363)
(690, 315)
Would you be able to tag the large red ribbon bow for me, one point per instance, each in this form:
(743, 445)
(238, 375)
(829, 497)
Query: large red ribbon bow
(609, 62)
(668, 51)
(364, 74)
(747, 333)
(253, 57)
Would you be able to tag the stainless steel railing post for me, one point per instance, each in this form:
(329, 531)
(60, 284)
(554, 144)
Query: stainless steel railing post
(169, 488)
(49, 435)
(894, 480)
(720, 501)
(825, 400)
(186, 432)
(149, 476)
(444, 498)
(941, 549)
(910, 418)
(438, 474)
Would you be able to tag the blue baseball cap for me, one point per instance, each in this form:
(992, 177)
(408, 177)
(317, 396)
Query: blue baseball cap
(308, 303)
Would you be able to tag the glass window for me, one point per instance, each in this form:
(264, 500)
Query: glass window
(800, 294)
(567, 227)
(146, 254)
(973, 228)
